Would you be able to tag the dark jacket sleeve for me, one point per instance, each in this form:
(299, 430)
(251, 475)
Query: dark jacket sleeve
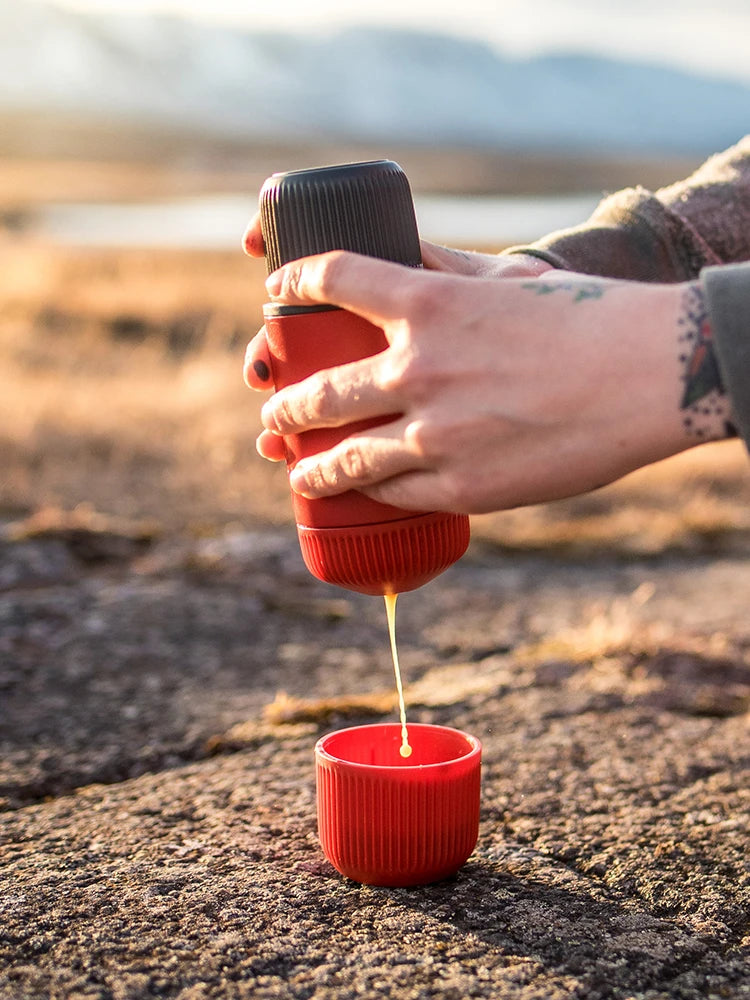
(727, 291)
(665, 236)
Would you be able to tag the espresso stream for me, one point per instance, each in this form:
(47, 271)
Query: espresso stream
(390, 610)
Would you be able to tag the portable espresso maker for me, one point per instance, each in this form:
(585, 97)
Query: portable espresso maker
(348, 540)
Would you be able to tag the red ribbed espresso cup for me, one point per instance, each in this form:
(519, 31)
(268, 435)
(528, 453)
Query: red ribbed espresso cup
(388, 820)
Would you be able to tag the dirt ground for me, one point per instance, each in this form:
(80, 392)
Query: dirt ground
(161, 700)
(167, 664)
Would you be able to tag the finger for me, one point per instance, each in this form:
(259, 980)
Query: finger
(252, 241)
(356, 462)
(374, 289)
(270, 446)
(440, 258)
(257, 367)
(334, 397)
(415, 490)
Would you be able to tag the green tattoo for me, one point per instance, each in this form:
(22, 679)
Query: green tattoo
(583, 290)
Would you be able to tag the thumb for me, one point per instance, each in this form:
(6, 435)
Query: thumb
(375, 289)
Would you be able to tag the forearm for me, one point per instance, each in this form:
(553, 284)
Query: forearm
(668, 236)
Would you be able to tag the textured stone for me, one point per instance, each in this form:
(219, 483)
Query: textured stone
(159, 837)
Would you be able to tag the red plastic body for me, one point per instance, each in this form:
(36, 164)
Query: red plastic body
(349, 539)
(388, 820)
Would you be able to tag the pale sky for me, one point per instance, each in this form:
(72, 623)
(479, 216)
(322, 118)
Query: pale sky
(710, 37)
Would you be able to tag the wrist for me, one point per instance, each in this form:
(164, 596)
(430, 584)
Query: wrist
(685, 402)
(705, 404)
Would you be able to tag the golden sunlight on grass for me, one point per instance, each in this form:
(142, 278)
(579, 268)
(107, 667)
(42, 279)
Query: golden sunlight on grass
(123, 384)
(699, 500)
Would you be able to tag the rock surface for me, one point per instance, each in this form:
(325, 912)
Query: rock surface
(158, 824)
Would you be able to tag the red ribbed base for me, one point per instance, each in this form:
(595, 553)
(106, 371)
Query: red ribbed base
(387, 558)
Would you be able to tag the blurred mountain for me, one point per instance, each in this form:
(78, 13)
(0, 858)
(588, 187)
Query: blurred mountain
(359, 84)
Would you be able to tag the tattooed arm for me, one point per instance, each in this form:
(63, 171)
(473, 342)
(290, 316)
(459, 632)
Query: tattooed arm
(704, 403)
(507, 392)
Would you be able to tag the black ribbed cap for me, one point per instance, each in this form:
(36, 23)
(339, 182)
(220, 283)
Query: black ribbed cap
(364, 207)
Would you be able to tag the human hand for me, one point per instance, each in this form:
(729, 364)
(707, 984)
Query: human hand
(509, 393)
(257, 366)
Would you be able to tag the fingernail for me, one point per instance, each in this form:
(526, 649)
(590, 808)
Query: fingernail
(261, 370)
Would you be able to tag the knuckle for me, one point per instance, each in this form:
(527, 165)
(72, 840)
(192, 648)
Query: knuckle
(424, 439)
(414, 376)
(414, 437)
(455, 496)
(407, 370)
(292, 282)
(317, 478)
(393, 372)
(322, 401)
(420, 301)
(328, 269)
(319, 405)
(351, 462)
(284, 412)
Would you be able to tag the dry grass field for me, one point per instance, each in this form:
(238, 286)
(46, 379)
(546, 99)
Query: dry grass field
(123, 386)
(122, 391)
